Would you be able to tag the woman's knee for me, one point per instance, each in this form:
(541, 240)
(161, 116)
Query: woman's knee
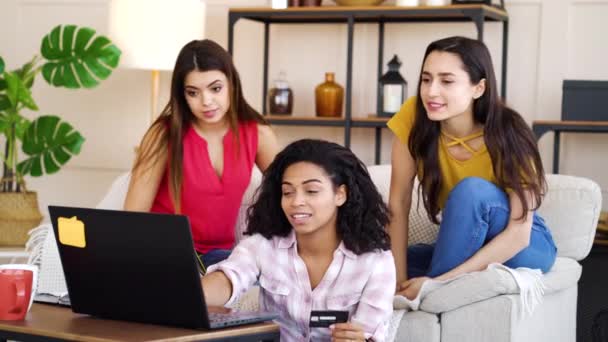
(474, 189)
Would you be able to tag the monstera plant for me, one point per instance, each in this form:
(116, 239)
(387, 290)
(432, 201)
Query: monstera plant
(71, 57)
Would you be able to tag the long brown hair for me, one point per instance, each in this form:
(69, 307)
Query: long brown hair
(515, 158)
(168, 129)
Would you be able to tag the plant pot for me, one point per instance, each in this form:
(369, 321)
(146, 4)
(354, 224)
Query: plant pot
(19, 213)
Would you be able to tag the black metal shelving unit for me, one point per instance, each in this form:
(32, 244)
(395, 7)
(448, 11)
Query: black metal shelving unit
(476, 13)
(541, 127)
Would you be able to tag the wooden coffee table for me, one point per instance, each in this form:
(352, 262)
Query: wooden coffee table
(55, 323)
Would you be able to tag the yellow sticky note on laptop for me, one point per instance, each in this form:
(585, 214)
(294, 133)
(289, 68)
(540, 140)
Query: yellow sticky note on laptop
(71, 232)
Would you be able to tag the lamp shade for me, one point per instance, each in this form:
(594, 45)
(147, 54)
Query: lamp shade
(152, 32)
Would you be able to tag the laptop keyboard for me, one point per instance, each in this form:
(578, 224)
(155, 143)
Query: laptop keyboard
(227, 319)
(216, 317)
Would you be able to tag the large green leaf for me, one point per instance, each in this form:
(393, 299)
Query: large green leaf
(77, 58)
(1, 65)
(50, 144)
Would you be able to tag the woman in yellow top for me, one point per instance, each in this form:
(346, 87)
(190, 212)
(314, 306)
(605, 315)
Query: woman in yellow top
(478, 165)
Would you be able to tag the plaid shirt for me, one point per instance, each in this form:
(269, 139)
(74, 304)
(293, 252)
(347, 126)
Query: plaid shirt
(363, 285)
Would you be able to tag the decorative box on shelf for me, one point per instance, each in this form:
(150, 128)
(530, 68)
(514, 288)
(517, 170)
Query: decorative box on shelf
(582, 100)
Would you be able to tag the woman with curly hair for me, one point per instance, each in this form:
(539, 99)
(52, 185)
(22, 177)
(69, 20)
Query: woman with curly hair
(478, 165)
(317, 242)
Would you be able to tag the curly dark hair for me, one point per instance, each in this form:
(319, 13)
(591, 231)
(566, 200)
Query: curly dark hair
(361, 219)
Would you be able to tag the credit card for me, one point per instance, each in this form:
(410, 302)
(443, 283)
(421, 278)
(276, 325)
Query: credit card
(325, 318)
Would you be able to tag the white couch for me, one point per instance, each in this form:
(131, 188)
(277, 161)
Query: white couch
(484, 306)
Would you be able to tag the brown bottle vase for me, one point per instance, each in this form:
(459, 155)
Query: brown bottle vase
(329, 96)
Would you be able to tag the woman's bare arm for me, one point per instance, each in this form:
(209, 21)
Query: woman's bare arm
(403, 171)
(146, 178)
(217, 288)
(268, 147)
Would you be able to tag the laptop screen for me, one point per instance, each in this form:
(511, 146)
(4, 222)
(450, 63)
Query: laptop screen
(130, 265)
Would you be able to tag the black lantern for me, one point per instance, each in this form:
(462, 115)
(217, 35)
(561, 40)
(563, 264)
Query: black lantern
(392, 89)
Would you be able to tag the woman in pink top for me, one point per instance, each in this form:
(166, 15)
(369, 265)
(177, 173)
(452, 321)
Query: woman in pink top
(317, 243)
(196, 158)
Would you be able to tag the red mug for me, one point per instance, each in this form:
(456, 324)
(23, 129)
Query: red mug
(15, 293)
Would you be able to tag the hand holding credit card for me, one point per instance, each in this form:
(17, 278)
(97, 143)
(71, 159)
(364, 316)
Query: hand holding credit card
(325, 318)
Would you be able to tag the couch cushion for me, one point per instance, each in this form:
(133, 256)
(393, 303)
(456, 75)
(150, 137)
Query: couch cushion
(421, 229)
(499, 319)
(487, 321)
(115, 197)
(468, 289)
(419, 326)
(571, 209)
(565, 273)
(490, 283)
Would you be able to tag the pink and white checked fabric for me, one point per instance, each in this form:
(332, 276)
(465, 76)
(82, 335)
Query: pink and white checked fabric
(361, 284)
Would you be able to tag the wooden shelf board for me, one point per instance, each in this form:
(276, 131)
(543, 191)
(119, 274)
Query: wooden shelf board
(372, 118)
(600, 242)
(570, 123)
(293, 117)
(371, 12)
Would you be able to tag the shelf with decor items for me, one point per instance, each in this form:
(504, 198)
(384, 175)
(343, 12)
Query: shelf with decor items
(381, 15)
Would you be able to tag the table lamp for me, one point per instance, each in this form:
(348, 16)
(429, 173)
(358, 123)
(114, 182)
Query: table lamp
(152, 32)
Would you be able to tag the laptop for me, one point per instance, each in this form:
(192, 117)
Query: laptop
(136, 266)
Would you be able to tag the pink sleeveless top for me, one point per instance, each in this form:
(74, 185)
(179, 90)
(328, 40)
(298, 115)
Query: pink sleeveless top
(212, 202)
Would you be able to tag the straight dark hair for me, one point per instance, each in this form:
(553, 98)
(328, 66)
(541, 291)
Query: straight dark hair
(515, 158)
(169, 128)
(361, 219)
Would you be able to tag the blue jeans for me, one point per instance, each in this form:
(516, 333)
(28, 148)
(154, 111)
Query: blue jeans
(214, 256)
(477, 211)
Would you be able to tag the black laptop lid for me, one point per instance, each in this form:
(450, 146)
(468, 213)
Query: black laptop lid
(130, 266)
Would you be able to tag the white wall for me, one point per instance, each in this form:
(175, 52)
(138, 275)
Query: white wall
(550, 40)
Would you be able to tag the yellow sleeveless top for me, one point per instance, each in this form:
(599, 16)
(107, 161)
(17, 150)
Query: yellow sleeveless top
(452, 170)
